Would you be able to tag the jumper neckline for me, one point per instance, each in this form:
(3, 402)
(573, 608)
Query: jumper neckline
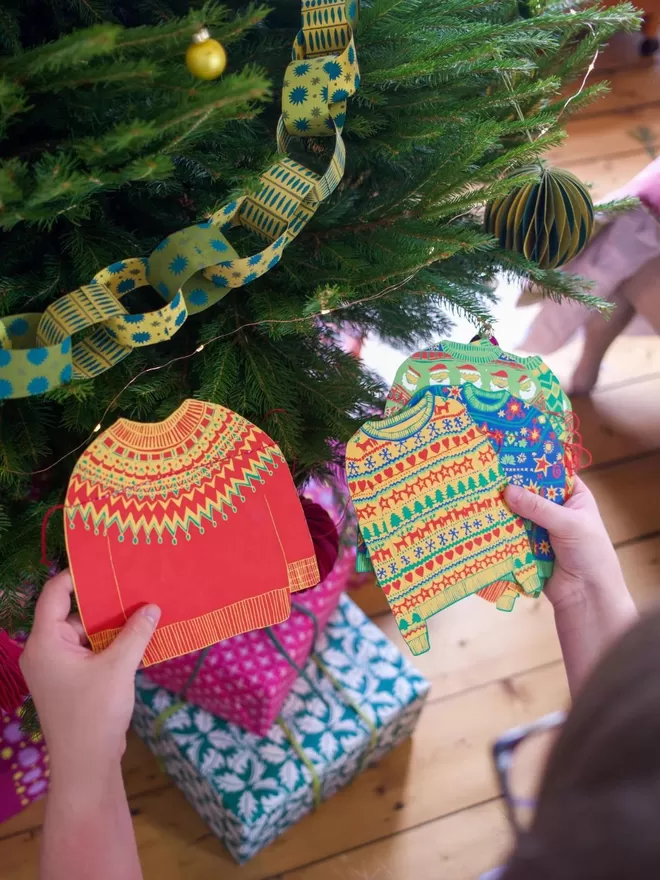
(533, 362)
(404, 423)
(178, 427)
(477, 352)
(482, 395)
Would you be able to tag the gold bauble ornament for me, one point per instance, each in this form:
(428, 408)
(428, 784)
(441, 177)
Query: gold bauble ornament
(549, 221)
(205, 57)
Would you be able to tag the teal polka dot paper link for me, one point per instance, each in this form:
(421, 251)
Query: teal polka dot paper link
(194, 268)
(27, 369)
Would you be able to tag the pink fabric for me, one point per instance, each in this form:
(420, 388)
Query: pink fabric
(246, 679)
(23, 767)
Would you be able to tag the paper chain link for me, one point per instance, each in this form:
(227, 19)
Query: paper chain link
(194, 268)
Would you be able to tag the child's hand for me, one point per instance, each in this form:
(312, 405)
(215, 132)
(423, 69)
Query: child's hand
(84, 700)
(591, 601)
(586, 564)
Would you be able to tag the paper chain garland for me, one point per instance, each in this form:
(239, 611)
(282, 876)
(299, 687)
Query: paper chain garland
(194, 268)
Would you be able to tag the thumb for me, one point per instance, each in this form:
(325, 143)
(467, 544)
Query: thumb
(547, 514)
(131, 643)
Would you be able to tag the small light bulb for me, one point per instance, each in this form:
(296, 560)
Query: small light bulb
(97, 428)
(325, 311)
(199, 348)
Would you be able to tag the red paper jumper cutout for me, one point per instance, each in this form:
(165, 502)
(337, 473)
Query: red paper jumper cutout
(198, 514)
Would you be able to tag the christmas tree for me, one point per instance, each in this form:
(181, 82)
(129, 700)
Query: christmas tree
(109, 144)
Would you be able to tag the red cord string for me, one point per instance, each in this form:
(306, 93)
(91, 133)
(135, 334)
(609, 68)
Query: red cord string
(576, 455)
(44, 531)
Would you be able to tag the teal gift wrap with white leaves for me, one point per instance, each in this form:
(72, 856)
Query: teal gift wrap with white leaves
(357, 699)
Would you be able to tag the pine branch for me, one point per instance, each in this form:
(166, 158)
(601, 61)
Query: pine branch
(90, 11)
(79, 47)
(123, 72)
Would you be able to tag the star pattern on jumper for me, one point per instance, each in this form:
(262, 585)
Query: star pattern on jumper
(486, 456)
(542, 465)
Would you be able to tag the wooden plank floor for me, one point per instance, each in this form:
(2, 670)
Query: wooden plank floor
(431, 810)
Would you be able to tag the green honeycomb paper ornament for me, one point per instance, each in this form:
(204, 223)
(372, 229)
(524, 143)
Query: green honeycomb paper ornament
(548, 220)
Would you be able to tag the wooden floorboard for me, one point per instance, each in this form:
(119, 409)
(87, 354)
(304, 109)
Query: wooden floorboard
(430, 810)
(634, 88)
(456, 847)
(609, 134)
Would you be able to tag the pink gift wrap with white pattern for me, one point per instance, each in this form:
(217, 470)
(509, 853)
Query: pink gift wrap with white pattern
(23, 767)
(246, 679)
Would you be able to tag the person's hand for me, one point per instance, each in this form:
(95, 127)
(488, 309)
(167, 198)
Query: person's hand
(586, 564)
(590, 598)
(84, 700)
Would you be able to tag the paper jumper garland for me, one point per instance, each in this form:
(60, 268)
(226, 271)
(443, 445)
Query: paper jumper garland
(198, 514)
(519, 409)
(529, 451)
(428, 488)
(483, 365)
(196, 267)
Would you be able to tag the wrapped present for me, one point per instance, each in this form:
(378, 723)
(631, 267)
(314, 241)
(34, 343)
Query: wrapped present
(357, 698)
(23, 766)
(247, 678)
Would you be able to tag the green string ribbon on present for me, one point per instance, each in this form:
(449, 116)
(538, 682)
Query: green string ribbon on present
(194, 268)
(317, 789)
(160, 721)
(163, 717)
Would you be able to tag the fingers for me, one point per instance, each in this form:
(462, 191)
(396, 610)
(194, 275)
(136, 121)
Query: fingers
(131, 643)
(54, 603)
(581, 495)
(75, 623)
(553, 517)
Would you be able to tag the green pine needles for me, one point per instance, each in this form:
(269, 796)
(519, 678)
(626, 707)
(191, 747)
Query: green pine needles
(107, 145)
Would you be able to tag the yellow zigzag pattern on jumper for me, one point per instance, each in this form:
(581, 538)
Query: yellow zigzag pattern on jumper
(225, 492)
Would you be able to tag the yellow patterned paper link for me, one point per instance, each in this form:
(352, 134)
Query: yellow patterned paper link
(194, 268)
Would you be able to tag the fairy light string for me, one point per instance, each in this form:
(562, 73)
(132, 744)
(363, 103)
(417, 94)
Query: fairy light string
(300, 319)
(519, 113)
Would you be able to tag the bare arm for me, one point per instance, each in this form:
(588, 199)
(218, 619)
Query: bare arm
(88, 831)
(591, 601)
(85, 703)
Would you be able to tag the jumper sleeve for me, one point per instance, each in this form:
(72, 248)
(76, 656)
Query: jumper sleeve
(94, 580)
(417, 638)
(291, 526)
